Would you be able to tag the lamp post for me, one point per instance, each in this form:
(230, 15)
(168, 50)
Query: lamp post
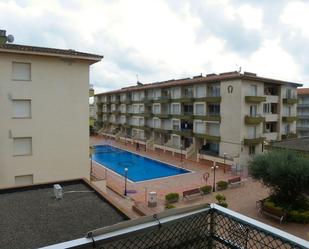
(224, 157)
(214, 167)
(125, 180)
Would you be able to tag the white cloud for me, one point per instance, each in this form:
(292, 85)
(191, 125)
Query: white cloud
(157, 40)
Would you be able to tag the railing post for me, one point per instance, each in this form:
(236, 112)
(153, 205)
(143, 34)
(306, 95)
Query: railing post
(212, 228)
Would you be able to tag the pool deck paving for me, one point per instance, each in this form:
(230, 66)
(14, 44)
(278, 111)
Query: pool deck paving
(241, 199)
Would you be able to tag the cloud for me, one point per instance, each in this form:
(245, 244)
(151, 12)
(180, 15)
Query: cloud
(160, 40)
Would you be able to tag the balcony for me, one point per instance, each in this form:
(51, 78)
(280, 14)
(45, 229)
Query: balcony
(147, 101)
(254, 120)
(184, 99)
(127, 101)
(160, 130)
(289, 119)
(209, 117)
(115, 101)
(303, 116)
(302, 127)
(255, 99)
(253, 141)
(116, 112)
(208, 137)
(303, 105)
(209, 99)
(290, 101)
(289, 135)
(163, 99)
(184, 132)
(183, 116)
(162, 115)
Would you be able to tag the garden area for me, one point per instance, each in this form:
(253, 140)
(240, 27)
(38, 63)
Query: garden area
(286, 174)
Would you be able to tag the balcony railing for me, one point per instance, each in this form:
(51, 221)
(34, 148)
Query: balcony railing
(209, 117)
(196, 227)
(289, 119)
(255, 99)
(290, 101)
(184, 132)
(289, 135)
(208, 137)
(253, 141)
(250, 120)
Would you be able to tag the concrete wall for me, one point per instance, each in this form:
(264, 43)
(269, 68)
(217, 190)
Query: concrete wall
(59, 124)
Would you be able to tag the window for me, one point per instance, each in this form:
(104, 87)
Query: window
(135, 108)
(213, 109)
(199, 127)
(176, 141)
(266, 108)
(251, 149)
(175, 124)
(21, 71)
(21, 108)
(253, 110)
(175, 93)
(200, 91)
(175, 109)
(199, 109)
(251, 132)
(22, 146)
(213, 129)
(253, 90)
(23, 180)
(156, 109)
(156, 123)
(287, 128)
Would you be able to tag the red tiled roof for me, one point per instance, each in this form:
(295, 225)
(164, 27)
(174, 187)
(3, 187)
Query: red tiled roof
(303, 91)
(209, 78)
(48, 51)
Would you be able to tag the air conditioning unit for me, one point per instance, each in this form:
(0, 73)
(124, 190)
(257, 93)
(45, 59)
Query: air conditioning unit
(58, 191)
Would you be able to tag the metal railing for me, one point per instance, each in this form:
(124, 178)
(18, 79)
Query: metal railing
(188, 228)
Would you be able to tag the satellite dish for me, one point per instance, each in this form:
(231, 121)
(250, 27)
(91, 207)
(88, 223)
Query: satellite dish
(10, 38)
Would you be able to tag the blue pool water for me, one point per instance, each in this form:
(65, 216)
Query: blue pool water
(139, 168)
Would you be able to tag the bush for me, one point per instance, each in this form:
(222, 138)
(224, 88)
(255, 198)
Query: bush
(221, 185)
(286, 174)
(299, 216)
(172, 197)
(221, 200)
(169, 206)
(206, 189)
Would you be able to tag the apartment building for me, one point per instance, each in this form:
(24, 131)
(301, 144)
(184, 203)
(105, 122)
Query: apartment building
(303, 112)
(229, 116)
(44, 129)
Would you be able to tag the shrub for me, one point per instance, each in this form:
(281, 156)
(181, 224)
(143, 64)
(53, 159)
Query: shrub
(221, 185)
(169, 206)
(221, 200)
(206, 189)
(286, 174)
(172, 197)
(299, 216)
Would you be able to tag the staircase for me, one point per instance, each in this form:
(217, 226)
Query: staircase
(149, 143)
(191, 152)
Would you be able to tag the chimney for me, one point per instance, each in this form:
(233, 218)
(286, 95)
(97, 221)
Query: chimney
(3, 38)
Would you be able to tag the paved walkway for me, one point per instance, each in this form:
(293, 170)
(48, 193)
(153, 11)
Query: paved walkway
(241, 199)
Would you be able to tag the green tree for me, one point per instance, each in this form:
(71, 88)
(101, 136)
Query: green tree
(285, 173)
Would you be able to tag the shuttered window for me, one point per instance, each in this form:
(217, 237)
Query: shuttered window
(21, 108)
(22, 146)
(21, 71)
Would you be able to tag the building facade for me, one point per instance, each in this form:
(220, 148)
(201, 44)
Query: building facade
(303, 112)
(217, 117)
(44, 130)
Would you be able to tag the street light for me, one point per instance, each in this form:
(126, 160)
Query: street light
(224, 156)
(214, 167)
(125, 180)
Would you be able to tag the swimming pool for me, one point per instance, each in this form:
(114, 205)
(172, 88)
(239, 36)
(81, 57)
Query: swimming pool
(139, 168)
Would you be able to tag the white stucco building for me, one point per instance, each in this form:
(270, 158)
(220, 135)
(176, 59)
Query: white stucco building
(44, 113)
(229, 115)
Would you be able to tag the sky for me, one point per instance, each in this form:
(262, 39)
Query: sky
(157, 40)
